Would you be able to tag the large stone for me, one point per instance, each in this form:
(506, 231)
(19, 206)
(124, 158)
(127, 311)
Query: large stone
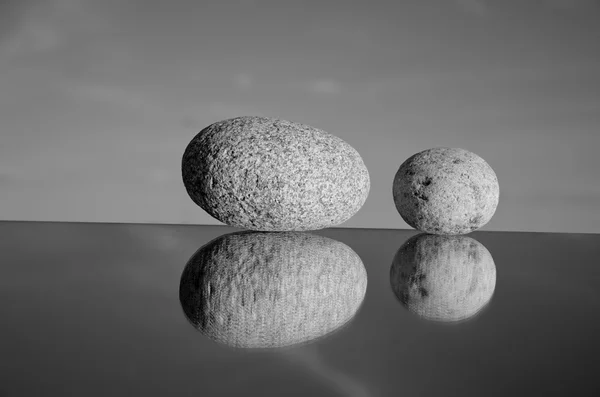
(265, 290)
(268, 174)
(443, 278)
(446, 191)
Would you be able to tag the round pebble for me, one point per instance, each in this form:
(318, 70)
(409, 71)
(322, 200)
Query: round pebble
(443, 278)
(446, 191)
(265, 290)
(267, 174)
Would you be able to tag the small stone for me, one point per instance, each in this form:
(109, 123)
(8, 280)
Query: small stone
(446, 191)
(266, 290)
(443, 278)
(268, 174)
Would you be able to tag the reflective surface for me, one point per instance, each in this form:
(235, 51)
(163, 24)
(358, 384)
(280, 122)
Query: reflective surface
(443, 278)
(108, 310)
(269, 290)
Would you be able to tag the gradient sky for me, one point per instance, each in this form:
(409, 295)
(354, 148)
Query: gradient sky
(98, 99)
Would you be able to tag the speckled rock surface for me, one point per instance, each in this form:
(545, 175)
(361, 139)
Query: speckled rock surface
(268, 174)
(446, 191)
(443, 278)
(264, 290)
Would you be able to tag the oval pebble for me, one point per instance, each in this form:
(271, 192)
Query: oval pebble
(268, 174)
(446, 191)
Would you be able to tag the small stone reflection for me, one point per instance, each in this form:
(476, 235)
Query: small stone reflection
(271, 289)
(443, 278)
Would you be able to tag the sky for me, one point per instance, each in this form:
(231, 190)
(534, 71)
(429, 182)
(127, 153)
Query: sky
(98, 99)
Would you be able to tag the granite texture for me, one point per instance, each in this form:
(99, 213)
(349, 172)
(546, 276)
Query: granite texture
(268, 174)
(266, 289)
(446, 191)
(443, 278)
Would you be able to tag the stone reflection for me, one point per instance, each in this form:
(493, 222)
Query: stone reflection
(443, 278)
(271, 289)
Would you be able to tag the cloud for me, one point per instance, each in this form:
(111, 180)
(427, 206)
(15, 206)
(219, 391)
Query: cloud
(160, 176)
(115, 95)
(48, 25)
(482, 8)
(477, 7)
(569, 4)
(7, 179)
(202, 115)
(19, 175)
(35, 37)
(350, 36)
(325, 86)
(225, 110)
(243, 80)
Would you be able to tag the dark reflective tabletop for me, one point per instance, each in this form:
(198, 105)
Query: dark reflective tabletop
(179, 310)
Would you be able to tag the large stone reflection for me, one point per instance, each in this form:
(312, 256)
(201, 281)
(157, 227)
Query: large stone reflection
(270, 289)
(443, 278)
